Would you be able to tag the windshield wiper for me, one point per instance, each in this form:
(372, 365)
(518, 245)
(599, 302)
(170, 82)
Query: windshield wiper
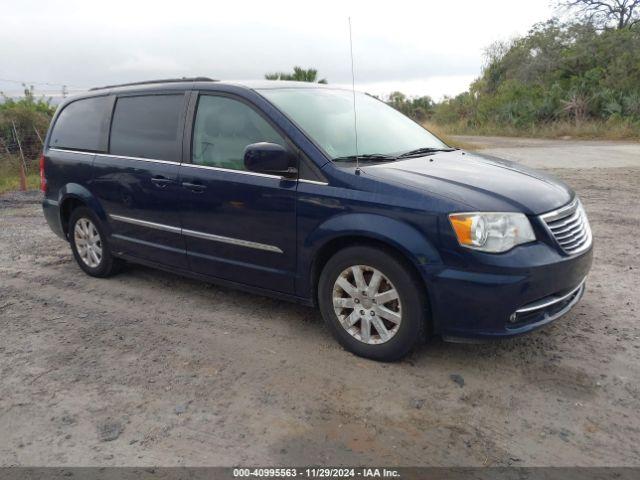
(368, 156)
(423, 151)
(381, 157)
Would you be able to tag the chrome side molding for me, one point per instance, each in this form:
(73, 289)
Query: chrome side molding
(232, 241)
(196, 234)
(144, 223)
(312, 182)
(189, 165)
(230, 170)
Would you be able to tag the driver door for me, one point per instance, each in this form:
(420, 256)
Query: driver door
(238, 225)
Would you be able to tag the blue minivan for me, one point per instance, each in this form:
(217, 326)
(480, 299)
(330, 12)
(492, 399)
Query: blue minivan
(279, 189)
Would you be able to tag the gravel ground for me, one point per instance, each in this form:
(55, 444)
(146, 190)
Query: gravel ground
(148, 368)
(549, 154)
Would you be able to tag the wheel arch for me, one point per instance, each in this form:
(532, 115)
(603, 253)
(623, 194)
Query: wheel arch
(398, 238)
(72, 196)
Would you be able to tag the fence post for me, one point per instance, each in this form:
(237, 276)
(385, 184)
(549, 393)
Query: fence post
(23, 165)
(38, 134)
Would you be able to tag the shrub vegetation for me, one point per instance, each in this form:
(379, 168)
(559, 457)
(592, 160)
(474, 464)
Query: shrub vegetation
(562, 79)
(23, 123)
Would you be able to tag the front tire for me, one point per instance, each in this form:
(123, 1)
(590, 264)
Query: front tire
(89, 244)
(372, 303)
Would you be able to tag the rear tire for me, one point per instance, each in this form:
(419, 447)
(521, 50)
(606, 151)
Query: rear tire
(372, 303)
(89, 244)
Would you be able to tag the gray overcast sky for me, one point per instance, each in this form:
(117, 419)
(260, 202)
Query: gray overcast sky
(421, 47)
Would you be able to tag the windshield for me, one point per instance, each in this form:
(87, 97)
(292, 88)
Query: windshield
(326, 115)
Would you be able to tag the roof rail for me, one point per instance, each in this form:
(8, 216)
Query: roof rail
(151, 82)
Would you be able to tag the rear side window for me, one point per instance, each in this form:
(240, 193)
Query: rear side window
(82, 125)
(147, 127)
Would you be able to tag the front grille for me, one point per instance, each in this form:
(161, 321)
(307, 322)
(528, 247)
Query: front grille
(569, 227)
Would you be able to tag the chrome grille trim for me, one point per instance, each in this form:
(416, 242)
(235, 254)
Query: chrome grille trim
(550, 301)
(569, 227)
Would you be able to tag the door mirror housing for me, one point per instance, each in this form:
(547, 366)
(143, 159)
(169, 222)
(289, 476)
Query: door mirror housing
(269, 158)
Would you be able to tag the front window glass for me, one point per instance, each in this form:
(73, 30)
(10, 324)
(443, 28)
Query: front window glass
(326, 115)
(223, 128)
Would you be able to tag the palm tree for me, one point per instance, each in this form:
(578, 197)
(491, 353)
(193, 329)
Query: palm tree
(299, 75)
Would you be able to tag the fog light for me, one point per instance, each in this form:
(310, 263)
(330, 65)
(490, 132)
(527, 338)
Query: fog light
(513, 317)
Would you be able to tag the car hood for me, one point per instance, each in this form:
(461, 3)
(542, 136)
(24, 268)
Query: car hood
(480, 182)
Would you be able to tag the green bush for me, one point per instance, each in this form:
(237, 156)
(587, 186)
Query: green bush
(418, 108)
(557, 74)
(31, 118)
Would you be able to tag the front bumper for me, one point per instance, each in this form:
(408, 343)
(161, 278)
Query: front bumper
(507, 295)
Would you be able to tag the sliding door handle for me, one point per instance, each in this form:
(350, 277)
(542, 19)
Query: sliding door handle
(160, 181)
(194, 187)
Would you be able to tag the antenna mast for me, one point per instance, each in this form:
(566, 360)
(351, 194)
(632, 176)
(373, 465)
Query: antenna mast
(353, 89)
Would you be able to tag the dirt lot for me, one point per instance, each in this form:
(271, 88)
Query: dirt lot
(148, 368)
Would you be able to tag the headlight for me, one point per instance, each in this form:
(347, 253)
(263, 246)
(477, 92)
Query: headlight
(491, 232)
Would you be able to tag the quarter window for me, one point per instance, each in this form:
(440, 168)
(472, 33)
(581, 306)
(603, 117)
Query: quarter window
(82, 125)
(147, 127)
(223, 128)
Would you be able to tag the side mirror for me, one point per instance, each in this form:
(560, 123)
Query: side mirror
(269, 158)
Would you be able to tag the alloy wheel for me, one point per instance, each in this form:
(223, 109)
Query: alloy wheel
(88, 242)
(367, 304)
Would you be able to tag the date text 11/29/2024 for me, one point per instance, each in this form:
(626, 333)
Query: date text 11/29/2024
(325, 472)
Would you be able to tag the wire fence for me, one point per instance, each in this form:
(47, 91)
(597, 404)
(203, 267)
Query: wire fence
(20, 149)
(24, 119)
(21, 143)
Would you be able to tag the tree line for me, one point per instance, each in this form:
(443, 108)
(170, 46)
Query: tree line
(580, 75)
(573, 72)
(585, 71)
